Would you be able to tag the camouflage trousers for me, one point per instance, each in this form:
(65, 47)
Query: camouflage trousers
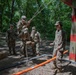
(11, 45)
(35, 48)
(25, 45)
(58, 62)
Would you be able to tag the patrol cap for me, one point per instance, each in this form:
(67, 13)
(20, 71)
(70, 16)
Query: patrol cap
(23, 17)
(58, 23)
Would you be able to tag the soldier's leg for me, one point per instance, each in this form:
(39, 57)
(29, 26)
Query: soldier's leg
(24, 51)
(9, 46)
(13, 48)
(14, 52)
(24, 48)
(59, 60)
(54, 62)
(21, 46)
(34, 48)
(37, 48)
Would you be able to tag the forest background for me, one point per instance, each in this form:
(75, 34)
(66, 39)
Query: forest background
(12, 10)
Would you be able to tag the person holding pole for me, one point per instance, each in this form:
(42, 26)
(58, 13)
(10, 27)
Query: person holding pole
(59, 45)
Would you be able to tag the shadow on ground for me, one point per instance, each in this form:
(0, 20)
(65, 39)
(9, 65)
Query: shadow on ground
(71, 69)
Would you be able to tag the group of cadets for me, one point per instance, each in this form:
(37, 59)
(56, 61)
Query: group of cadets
(26, 38)
(33, 39)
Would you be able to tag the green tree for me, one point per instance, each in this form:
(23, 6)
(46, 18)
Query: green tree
(12, 10)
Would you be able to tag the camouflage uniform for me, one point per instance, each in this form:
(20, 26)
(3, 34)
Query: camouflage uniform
(25, 38)
(20, 25)
(35, 35)
(23, 33)
(59, 47)
(11, 37)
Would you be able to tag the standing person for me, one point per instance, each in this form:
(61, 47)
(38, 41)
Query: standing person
(23, 33)
(35, 35)
(11, 38)
(25, 38)
(59, 45)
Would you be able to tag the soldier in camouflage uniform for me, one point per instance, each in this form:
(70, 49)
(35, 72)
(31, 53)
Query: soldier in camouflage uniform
(25, 38)
(23, 33)
(35, 35)
(59, 45)
(22, 22)
(11, 37)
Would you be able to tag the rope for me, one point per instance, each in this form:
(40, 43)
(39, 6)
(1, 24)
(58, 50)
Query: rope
(38, 9)
(37, 12)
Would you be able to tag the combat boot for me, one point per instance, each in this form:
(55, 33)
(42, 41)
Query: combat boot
(54, 66)
(59, 70)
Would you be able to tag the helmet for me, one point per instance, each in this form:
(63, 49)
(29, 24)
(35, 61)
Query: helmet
(23, 17)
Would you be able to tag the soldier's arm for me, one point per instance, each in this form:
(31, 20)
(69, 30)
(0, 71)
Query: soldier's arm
(51, 44)
(60, 45)
(19, 26)
(39, 37)
(28, 23)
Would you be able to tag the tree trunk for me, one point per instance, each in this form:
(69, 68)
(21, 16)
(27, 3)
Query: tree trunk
(12, 11)
(0, 20)
(1, 13)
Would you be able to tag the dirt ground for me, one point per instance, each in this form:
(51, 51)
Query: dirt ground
(13, 64)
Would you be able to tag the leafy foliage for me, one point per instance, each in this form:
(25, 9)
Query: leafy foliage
(44, 21)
